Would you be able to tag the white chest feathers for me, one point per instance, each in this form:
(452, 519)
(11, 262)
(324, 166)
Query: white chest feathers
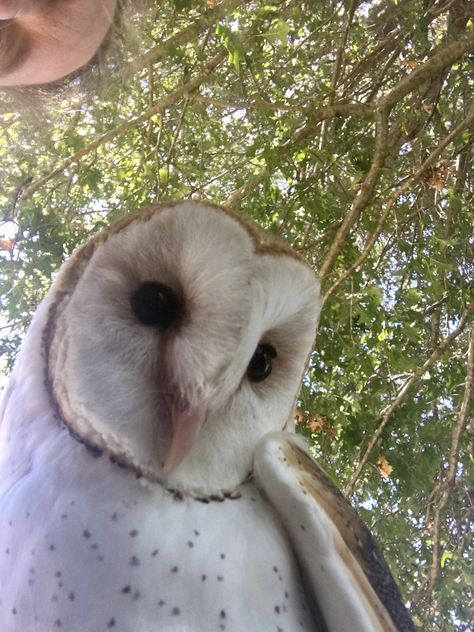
(131, 557)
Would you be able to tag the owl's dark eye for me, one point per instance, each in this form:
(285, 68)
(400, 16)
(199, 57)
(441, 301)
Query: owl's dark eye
(260, 366)
(156, 305)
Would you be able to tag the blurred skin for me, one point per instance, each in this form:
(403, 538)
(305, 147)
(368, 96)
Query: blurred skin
(44, 40)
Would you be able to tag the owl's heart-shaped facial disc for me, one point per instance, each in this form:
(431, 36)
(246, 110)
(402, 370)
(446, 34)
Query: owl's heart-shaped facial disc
(177, 338)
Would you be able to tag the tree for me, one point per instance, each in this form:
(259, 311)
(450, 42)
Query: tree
(347, 128)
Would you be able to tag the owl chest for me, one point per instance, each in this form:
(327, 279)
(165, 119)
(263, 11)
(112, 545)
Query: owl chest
(129, 558)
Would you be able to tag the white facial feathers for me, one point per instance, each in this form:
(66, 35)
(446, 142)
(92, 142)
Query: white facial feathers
(130, 388)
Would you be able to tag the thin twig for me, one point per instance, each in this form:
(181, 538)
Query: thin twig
(449, 482)
(338, 64)
(177, 131)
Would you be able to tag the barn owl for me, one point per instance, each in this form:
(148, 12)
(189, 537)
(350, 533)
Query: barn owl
(147, 483)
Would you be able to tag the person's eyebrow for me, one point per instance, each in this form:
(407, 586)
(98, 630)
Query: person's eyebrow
(15, 47)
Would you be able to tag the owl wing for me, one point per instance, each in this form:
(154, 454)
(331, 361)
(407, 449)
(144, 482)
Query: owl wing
(344, 572)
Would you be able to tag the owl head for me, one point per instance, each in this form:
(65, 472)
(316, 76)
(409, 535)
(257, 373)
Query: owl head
(175, 339)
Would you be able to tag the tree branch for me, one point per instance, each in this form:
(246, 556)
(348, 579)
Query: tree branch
(448, 484)
(159, 106)
(237, 195)
(286, 149)
(157, 53)
(442, 57)
(363, 196)
(412, 381)
(330, 111)
(258, 104)
(429, 162)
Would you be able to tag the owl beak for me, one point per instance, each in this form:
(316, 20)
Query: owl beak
(186, 423)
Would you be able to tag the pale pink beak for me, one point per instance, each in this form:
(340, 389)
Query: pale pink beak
(186, 422)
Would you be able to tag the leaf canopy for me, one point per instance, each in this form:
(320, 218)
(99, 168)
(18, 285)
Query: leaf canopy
(346, 127)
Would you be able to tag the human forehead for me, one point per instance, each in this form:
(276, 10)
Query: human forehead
(41, 42)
